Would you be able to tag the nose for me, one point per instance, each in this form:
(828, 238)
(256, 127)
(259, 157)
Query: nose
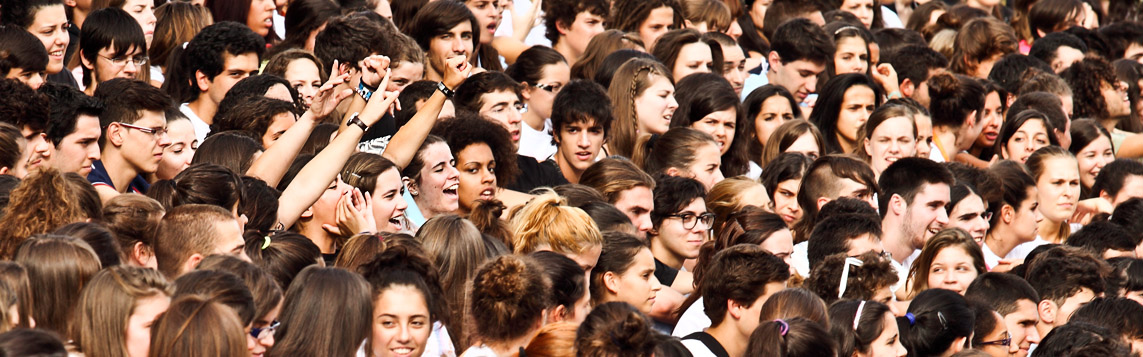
(404, 334)
(655, 285)
(130, 68)
(164, 139)
(514, 117)
(942, 216)
(671, 102)
(457, 45)
(894, 147)
(812, 84)
(583, 141)
(401, 204)
(645, 223)
(93, 152)
(1032, 335)
(488, 177)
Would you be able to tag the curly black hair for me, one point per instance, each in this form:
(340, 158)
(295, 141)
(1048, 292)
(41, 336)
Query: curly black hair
(468, 128)
(1086, 77)
(206, 53)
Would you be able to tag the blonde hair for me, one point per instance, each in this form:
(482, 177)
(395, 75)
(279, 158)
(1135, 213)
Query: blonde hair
(630, 80)
(106, 305)
(548, 220)
(725, 198)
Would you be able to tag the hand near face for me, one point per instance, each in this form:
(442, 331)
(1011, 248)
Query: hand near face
(373, 68)
(457, 69)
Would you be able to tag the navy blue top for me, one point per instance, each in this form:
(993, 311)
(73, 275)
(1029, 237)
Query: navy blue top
(98, 177)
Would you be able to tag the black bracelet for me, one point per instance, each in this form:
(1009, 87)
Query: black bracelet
(364, 91)
(356, 120)
(444, 89)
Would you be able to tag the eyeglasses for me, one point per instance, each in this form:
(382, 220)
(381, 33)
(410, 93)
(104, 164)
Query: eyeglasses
(551, 88)
(156, 132)
(139, 61)
(265, 332)
(690, 220)
(1005, 342)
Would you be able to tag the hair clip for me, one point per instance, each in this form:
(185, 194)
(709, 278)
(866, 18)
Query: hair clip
(944, 323)
(783, 327)
(845, 274)
(857, 316)
(845, 28)
(266, 242)
(912, 319)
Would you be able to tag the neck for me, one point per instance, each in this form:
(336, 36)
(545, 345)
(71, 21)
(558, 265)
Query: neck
(845, 144)
(1109, 124)
(978, 5)
(78, 17)
(534, 120)
(510, 347)
(569, 172)
(90, 90)
(1044, 328)
(729, 337)
(894, 241)
(431, 74)
(570, 54)
(947, 141)
(664, 255)
(1000, 242)
(204, 108)
(1051, 231)
(319, 236)
(118, 169)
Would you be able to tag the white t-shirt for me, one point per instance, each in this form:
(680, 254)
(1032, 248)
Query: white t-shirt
(535, 35)
(691, 321)
(536, 143)
(201, 128)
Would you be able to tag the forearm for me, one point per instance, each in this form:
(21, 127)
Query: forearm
(270, 165)
(405, 142)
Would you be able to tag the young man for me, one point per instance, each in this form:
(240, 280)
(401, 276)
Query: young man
(1105, 240)
(798, 54)
(1059, 50)
(1015, 301)
(73, 128)
(1124, 39)
(189, 233)
(1099, 94)
(736, 285)
(733, 61)
(912, 207)
(496, 97)
(29, 111)
(581, 120)
(914, 65)
(570, 25)
(134, 126)
(22, 57)
(627, 187)
(451, 33)
(680, 229)
(1066, 279)
(347, 40)
(1118, 314)
(828, 178)
(1119, 181)
(849, 233)
(213, 61)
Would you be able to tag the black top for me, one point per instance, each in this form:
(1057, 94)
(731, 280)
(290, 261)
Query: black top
(535, 174)
(664, 273)
(710, 343)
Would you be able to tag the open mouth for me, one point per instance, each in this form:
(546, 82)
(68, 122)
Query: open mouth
(488, 193)
(451, 191)
(397, 222)
(402, 351)
(583, 156)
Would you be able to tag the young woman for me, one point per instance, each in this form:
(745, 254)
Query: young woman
(783, 179)
(58, 267)
(548, 223)
(176, 23)
(407, 302)
(1057, 177)
(258, 15)
(767, 108)
(302, 69)
(509, 296)
(681, 152)
(795, 136)
(707, 103)
(889, 135)
(845, 104)
(967, 210)
(457, 249)
(685, 52)
(979, 44)
(995, 106)
(681, 223)
(869, 12)
(196, 325)
(177, 156)
(599, 48)
(732, 195)
(569, 288)
(379, 180)
(313, 327)
(938, 323)
(432, 181)
(133, 219)
(1027, 132)
(626, 273)
(1015, 215)
(796, 337)
(48, 21)
(12, 151)
(267, 297)
(487, 14)
(865, 329)
(1091, 145)
(851, 51)
(648, 19)
(950, 260)
(485, 159)
(643, 97)
(954, 102)
(542, 72)
(116, 310)
(614, 329)
(867, 277)
(111, 46)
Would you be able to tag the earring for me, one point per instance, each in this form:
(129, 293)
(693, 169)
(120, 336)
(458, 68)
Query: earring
(413, 191)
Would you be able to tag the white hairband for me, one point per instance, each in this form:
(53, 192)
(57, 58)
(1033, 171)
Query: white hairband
(845, 274)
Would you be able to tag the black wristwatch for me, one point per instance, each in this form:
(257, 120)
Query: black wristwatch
(444, 89)
(356, 120)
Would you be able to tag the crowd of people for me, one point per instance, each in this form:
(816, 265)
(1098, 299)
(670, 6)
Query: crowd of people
(343, 178)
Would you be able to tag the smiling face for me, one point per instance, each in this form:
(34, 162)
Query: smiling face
(50, 25)
(477, 169)
(1028, 138)
(693, 58)
(720, 125)
(304, 76)
(457, 41)
(991, 118)
(1115, 96)
(926, 214)
(858, 103)
(658, 22)
(655, 106)
(890, 141)
(487, 13)
(1092, 158)
(1059, 188)
(968, 214)
(678, 240)
(388, 205)
(401, 322)
(775, 111)
(851, 56)
(260, 19)
(436, 191)
(144, 12)
(143, 315)
(638, 285)
(952, 269)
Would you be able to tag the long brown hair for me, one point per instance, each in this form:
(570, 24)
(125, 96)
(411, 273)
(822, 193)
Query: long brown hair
(59, 267)
(197, 326)
(603, 44)
(15, 277)
(630, 80)
(948, 238)
(312, 326)
(457, 249)
(40, 204)
(106, 305)
(134, 220)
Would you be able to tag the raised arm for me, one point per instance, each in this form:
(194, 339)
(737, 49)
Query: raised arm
(409, 137)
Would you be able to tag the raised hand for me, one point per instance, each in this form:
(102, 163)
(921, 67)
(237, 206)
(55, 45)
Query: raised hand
(327, 98)
(457, 69)
(373, 68)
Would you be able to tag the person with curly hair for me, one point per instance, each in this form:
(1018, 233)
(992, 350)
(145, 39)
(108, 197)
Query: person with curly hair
(484, 156)
(868, 276)
(1099, 95)
(42, 202)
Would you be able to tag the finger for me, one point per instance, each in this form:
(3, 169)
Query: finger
(333, 70)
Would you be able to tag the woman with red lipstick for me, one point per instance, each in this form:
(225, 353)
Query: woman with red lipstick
(484, 157)
(1058, 181)
(707, 103)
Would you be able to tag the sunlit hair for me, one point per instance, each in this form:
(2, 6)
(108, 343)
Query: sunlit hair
(948, 238)
(629, 82)
(548, 223)
(107, 303)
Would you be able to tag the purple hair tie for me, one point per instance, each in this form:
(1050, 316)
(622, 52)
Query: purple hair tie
(912, 319)
(783, 328)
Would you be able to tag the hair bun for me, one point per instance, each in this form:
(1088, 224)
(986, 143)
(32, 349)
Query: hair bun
(943, 84)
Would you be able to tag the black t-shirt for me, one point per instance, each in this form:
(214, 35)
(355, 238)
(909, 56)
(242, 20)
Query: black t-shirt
(664, 273)
(535, 174)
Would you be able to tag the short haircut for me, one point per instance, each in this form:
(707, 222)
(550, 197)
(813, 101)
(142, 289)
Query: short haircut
(1001, 291)
(67, 104)
(672, 194)
(832, 235)
(349, 39)
(184, 231)
(781, 11)
(1046, 47)
(110, 28)
(1099, 237)
(1118, 314)
(21, 49)
(1010, 69)
(823, 179)
(206, 52)
(219, 286)
(892, 40)
(612, 176)
(22, 106)
(915, 62)
(862, 281)
(739, 273)
(1113, 176)
(1121, 35)
(1082, 339)
(469, 94)
(582, 101)
(799, 39)
(564, 12)
(126, 99)
(251, 116)
(1061, 272)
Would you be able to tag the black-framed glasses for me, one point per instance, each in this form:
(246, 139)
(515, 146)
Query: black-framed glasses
(551, 88)
(263, 333)
(120, 61)
(690, 220)
(156, 132)
(1007, 341)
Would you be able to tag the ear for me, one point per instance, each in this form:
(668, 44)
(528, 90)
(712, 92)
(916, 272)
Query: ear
(822, 202)
(526, 92)
(115, 135)
(865, 143)
(202, 81)
(70, 3)
(140, 254)
(734, 309)
(774, 59)
(557, 314)
(970, 120)
(897, 205)
(83, 61)
(191, 262)
(958, 344)
(1007, 213)
(562, 28)
(411, 186)
(907, 88)
(4, 170)
(308, 213)
(1047, 310)
(1004, 152)
(671, 171)
(611, 282)
(687, 24)
(1011, 99)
